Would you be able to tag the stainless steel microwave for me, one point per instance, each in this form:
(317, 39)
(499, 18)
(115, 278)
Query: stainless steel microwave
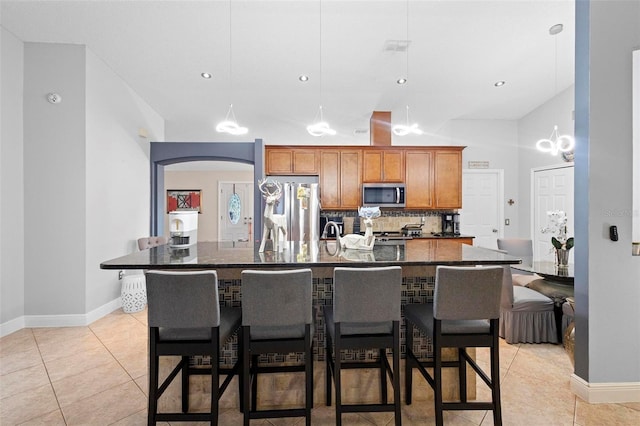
(383, 194)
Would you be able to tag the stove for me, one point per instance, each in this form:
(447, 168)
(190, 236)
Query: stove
(389, 237)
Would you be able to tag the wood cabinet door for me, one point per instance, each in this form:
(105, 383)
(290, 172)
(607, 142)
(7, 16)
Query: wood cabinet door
(329, 179)
(350, 178)
(305, 162)
(278, 161)
(382, 165)
(287, 161)
(372, 166)
(448, 179)
(393, 166)
(419, 179)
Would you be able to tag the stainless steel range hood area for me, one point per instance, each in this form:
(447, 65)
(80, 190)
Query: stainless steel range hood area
(380, 128)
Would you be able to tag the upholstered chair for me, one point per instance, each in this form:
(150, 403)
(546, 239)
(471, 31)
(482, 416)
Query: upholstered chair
(526, 316)
(365, 315)
(277, 318)
(464, 314)
(185, 320)
(522, 248)
(149, 242)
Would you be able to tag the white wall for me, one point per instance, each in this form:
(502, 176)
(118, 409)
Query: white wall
(55, 186)
(207, 182)
(536, 125)
(636, 146)
(11, 182)
(494, 141)
(80, 195)
(117, 175)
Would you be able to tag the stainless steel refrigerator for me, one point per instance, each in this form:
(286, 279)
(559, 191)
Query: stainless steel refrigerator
(300, 203)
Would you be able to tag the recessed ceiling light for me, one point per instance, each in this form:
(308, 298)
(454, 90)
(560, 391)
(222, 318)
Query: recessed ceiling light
(401, 80)
(303, 78)
(206, 75)
(499, 83)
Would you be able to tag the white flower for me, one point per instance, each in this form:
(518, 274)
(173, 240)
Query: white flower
(558, 227)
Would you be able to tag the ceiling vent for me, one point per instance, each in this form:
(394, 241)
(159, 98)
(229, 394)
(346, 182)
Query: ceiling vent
(360, 131)
(396, 45)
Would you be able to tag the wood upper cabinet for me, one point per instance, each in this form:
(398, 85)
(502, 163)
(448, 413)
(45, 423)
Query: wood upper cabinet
(291, 161)
(383, 165)
(340, 178)
(432, 175)
(448, 179)
(433, 178)
(419, 179)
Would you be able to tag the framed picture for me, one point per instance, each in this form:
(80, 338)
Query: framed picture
(184, 200)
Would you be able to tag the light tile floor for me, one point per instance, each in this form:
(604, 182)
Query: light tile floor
(97, 375)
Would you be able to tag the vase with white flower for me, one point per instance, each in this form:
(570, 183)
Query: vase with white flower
(561, 243)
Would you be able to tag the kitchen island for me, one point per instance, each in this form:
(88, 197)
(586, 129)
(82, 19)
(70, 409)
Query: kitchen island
(417, 257)
(418, 252)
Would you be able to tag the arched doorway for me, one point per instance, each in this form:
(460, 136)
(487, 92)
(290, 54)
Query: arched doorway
(165, 153)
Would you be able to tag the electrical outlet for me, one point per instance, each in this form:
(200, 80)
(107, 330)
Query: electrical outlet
(120, 275)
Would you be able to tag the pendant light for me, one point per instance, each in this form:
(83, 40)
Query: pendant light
(320, 128)
(406, 129)
(556, 143)
(230, 124)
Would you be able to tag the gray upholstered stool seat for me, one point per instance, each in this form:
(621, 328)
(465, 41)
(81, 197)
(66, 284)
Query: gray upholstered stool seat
(276, 318)
(185, 319)
(464, 313)
(365, 315)
(422, 316)
(230, 321)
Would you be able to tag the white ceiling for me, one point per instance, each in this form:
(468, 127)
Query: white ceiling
(458, 50)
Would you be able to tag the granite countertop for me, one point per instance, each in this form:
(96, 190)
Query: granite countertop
(210, 255)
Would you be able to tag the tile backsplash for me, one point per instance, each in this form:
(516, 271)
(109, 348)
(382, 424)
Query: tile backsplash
(391, 221)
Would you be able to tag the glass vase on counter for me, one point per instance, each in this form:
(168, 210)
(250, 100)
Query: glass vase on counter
(562, 257)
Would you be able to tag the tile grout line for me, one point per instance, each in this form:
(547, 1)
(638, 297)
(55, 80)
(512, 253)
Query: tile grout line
(46, 369)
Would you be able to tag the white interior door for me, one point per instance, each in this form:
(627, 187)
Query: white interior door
(482, 207)
(235, 211)
(552, 190)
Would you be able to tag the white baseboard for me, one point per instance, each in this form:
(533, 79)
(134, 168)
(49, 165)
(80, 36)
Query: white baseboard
(597, 393)
(74, 320)
(11, 326)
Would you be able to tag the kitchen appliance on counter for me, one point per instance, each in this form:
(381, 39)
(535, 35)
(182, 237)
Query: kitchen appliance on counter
(183, 228)
(300, 204)
(412, 230)
(383, 195)
(450, 224)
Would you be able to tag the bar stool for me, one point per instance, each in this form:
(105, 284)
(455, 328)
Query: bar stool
(276, 318)
(365, 315)
(185, 319)
(464, 313)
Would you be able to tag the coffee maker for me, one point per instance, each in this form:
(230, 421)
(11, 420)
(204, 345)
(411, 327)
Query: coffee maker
(451, 224)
